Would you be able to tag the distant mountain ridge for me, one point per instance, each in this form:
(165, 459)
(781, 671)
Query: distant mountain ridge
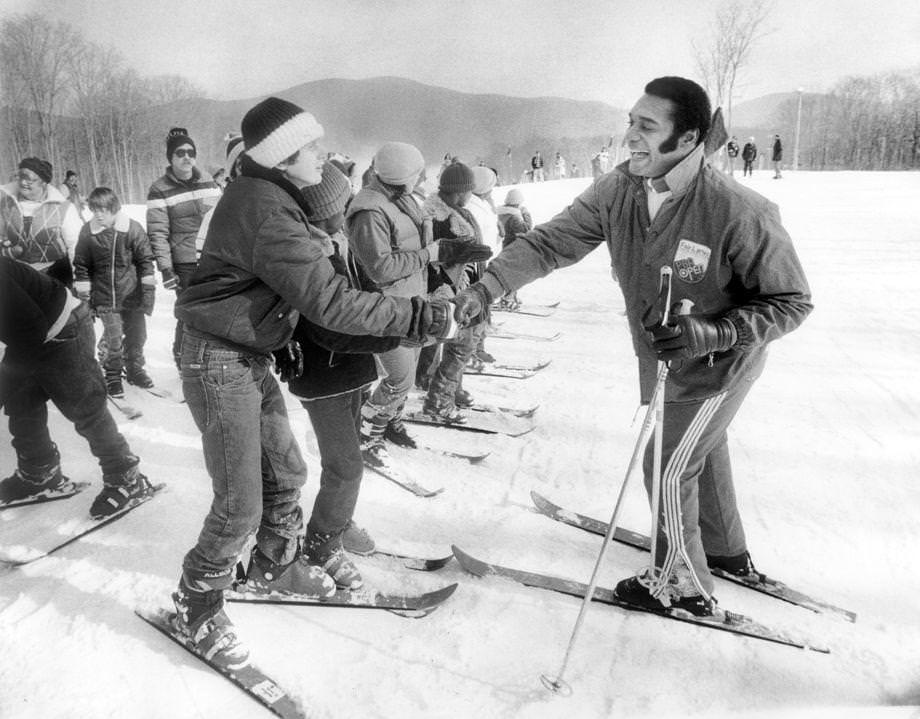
(360, 115)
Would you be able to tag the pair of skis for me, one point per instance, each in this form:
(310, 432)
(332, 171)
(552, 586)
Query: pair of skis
(129, 410)
(257, 683)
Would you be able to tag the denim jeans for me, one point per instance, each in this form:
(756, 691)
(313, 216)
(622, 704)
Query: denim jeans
(398, 367)
(448, 377)
(65, 371)
(336, 423)
(124, 334)
(253, 459)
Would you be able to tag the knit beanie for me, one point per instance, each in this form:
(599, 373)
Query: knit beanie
(399, 163)
(456, 178)
(514, 197)
(42, 168)
(177, 137)
(483, 180)
(330, 196)
(275, 129)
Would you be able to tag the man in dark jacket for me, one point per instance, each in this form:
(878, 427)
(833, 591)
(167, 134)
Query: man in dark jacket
(732, 259)
(261, 268)
(176, 204)
(777, 158)
(49, 340)
(748, 155)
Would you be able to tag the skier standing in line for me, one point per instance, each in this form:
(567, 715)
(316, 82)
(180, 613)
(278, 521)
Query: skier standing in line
(515, 221)
(482, 208)
(731, 152)
(390, 246)
(452, 222)
(113, 268)
(49, 338)
(336, 371)
(176, 205)
(777, 158)
(38, 225)
(731, 256)
(260, 267)
(536, 165)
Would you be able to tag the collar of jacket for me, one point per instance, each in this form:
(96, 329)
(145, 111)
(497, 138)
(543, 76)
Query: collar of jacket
(678, 178)
(276, 177)
(198, 175)
(122, 222)
(52, 194)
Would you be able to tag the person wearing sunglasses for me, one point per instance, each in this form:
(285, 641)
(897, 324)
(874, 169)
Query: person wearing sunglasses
(38, 225)
(176, 204)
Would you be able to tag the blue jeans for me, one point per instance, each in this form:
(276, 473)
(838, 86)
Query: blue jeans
(336, 423)
(65, 371)
(253, 459)
(124, 333)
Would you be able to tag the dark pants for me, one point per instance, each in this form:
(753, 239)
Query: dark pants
(698, 514)
(748, 168)
(253, 459)
(448, 377)
(336, 423)
(184, 272)
(65, 371)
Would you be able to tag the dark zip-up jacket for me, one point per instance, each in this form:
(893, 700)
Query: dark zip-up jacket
(115, 265)
(728, 250)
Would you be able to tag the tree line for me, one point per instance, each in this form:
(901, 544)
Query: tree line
(76, 104)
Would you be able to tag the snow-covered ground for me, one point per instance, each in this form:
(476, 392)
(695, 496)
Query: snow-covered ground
(826, 460)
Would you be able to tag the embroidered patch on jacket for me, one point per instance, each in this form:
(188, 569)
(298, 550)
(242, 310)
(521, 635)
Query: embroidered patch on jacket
(691, 261)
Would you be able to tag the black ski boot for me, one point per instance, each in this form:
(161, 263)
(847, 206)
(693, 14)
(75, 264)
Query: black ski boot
(396, 433)
(31, 480)
(327, 551)
(300, 576)
(119, 490)
(139, 378)
(113, 384)
(739, 565)
(637, 590)
(357, 540)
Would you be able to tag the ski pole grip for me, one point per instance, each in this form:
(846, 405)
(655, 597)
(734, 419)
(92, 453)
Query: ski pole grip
(684, 307)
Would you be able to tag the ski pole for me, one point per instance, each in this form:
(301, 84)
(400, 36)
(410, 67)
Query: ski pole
(663, 304)
(558, 684)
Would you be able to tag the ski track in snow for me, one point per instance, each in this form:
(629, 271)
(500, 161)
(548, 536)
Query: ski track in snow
(825, 455)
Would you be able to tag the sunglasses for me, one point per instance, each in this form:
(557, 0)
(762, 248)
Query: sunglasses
(185, 153)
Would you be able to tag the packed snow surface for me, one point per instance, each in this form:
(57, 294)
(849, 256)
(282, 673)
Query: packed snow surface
(826, 460)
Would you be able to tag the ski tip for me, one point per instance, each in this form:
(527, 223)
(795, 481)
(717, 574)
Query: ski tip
(433, 599)
(470, 564)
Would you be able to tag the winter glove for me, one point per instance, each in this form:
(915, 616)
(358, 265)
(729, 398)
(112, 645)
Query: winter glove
(459, 251)
(431, 319)
(471, 304)
(289, 361)
(82, 289)
(148, 298)
(170, 280)
(687, 336)
(8, 249)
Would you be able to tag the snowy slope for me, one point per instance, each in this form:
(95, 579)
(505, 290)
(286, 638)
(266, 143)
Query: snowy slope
(825, 454)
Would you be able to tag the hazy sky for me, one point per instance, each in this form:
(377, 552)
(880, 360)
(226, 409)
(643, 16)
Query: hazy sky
(582, 49)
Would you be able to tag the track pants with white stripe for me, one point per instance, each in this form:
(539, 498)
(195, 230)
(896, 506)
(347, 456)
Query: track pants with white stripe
(698, 514)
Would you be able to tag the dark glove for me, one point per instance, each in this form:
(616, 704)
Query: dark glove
(148, 298)
(430, 319)
(471, 304)
(170, 280)
(289, 361)
(461, 251)
(689, 336)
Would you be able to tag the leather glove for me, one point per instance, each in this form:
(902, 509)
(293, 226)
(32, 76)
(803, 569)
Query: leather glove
(471, 304)
(289, 361)
(431, 319)
(148, 299)
(689, 336)
(460, 251)
(170, 280)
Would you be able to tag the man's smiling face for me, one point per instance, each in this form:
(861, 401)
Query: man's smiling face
(650, 129)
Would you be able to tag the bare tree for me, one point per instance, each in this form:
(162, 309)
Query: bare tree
(737, 27)
(36, 54)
